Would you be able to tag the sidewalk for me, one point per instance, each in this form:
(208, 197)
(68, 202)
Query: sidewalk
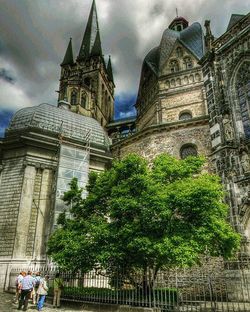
(7, 305)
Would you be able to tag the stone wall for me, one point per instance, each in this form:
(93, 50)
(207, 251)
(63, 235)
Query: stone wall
(10, 194)
(147, 118)
(190, 100)
(165, 140)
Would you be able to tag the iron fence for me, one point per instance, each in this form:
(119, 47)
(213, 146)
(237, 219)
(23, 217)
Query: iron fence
(214, 286)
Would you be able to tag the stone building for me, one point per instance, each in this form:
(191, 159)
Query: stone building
(43, 149)
(193, 99)
(87, 83)
(171, 105)
(226, 72)
(46, 146)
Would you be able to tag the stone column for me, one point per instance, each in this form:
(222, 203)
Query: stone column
(24, 213)
(43, 214)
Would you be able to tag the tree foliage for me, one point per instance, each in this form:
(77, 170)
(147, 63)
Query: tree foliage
(141, 217)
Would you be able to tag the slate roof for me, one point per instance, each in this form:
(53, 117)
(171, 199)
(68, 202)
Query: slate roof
(91, 42)
(68, 58)
(234, 19)
(109, 70)
(60, 122)
(191, 37)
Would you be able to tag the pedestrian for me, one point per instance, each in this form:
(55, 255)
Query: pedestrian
(28, 284)
(18, 285)
(57, 285)
(37, 278)
(42, 291)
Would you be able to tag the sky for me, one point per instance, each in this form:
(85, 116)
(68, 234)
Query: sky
(35, 33)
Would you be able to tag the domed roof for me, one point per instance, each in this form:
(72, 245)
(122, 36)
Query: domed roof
(152, 59)
(59, 121)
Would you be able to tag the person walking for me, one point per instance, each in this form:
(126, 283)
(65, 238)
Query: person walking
(42, 291)
(37, 279)
(58, 285)
(28, 284)
(19, 285)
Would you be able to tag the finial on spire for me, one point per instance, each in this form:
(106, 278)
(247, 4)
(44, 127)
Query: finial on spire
(176, 12)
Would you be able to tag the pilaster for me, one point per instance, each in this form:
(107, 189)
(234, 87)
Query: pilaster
(24, 212)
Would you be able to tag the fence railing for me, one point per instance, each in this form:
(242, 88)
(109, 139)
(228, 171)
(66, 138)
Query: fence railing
(214, 286)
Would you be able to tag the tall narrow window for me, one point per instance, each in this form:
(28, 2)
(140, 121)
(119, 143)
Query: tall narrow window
(243, 92)
(84, 100)
(179, 52)
(73, 97)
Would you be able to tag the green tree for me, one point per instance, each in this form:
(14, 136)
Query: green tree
(143, 218)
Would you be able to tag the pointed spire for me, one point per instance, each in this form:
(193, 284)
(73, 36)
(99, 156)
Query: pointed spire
(109, 70)
(91, 43)
(68, 58)
(97, 48)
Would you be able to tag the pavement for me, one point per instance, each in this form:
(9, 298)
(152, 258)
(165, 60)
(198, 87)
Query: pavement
(7, 305)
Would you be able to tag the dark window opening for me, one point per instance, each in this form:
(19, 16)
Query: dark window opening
(185, 116)
(73, 97)
(188, 150)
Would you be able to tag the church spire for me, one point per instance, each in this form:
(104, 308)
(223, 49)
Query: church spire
(91, 43)
(68, 58)
(109, 70)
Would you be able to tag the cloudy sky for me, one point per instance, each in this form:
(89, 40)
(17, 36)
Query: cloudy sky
(35, 33)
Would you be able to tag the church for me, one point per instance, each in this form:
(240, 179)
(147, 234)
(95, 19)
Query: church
(193, 99)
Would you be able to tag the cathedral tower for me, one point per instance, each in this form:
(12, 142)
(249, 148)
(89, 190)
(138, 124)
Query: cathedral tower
(87, 83)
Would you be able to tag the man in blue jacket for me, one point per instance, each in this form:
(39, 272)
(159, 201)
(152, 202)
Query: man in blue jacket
(28, 284)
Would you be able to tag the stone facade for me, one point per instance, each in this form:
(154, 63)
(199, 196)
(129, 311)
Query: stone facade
(171, 105)
(166, 138)
(191, 101)
(226, 71)
(88, 89)
(87, 82)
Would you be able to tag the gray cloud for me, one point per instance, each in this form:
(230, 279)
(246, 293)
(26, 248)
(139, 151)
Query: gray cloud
(6, 75)
(34, 36)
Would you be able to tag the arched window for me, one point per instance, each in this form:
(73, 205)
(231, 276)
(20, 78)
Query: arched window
(188, 150)
(73, 97)
(197, 77)
(179, 52)
(172, 83)
(243, 93)
(191, 78)
(188, 63)
(174, 66)
(185, 116)
(84, 100)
